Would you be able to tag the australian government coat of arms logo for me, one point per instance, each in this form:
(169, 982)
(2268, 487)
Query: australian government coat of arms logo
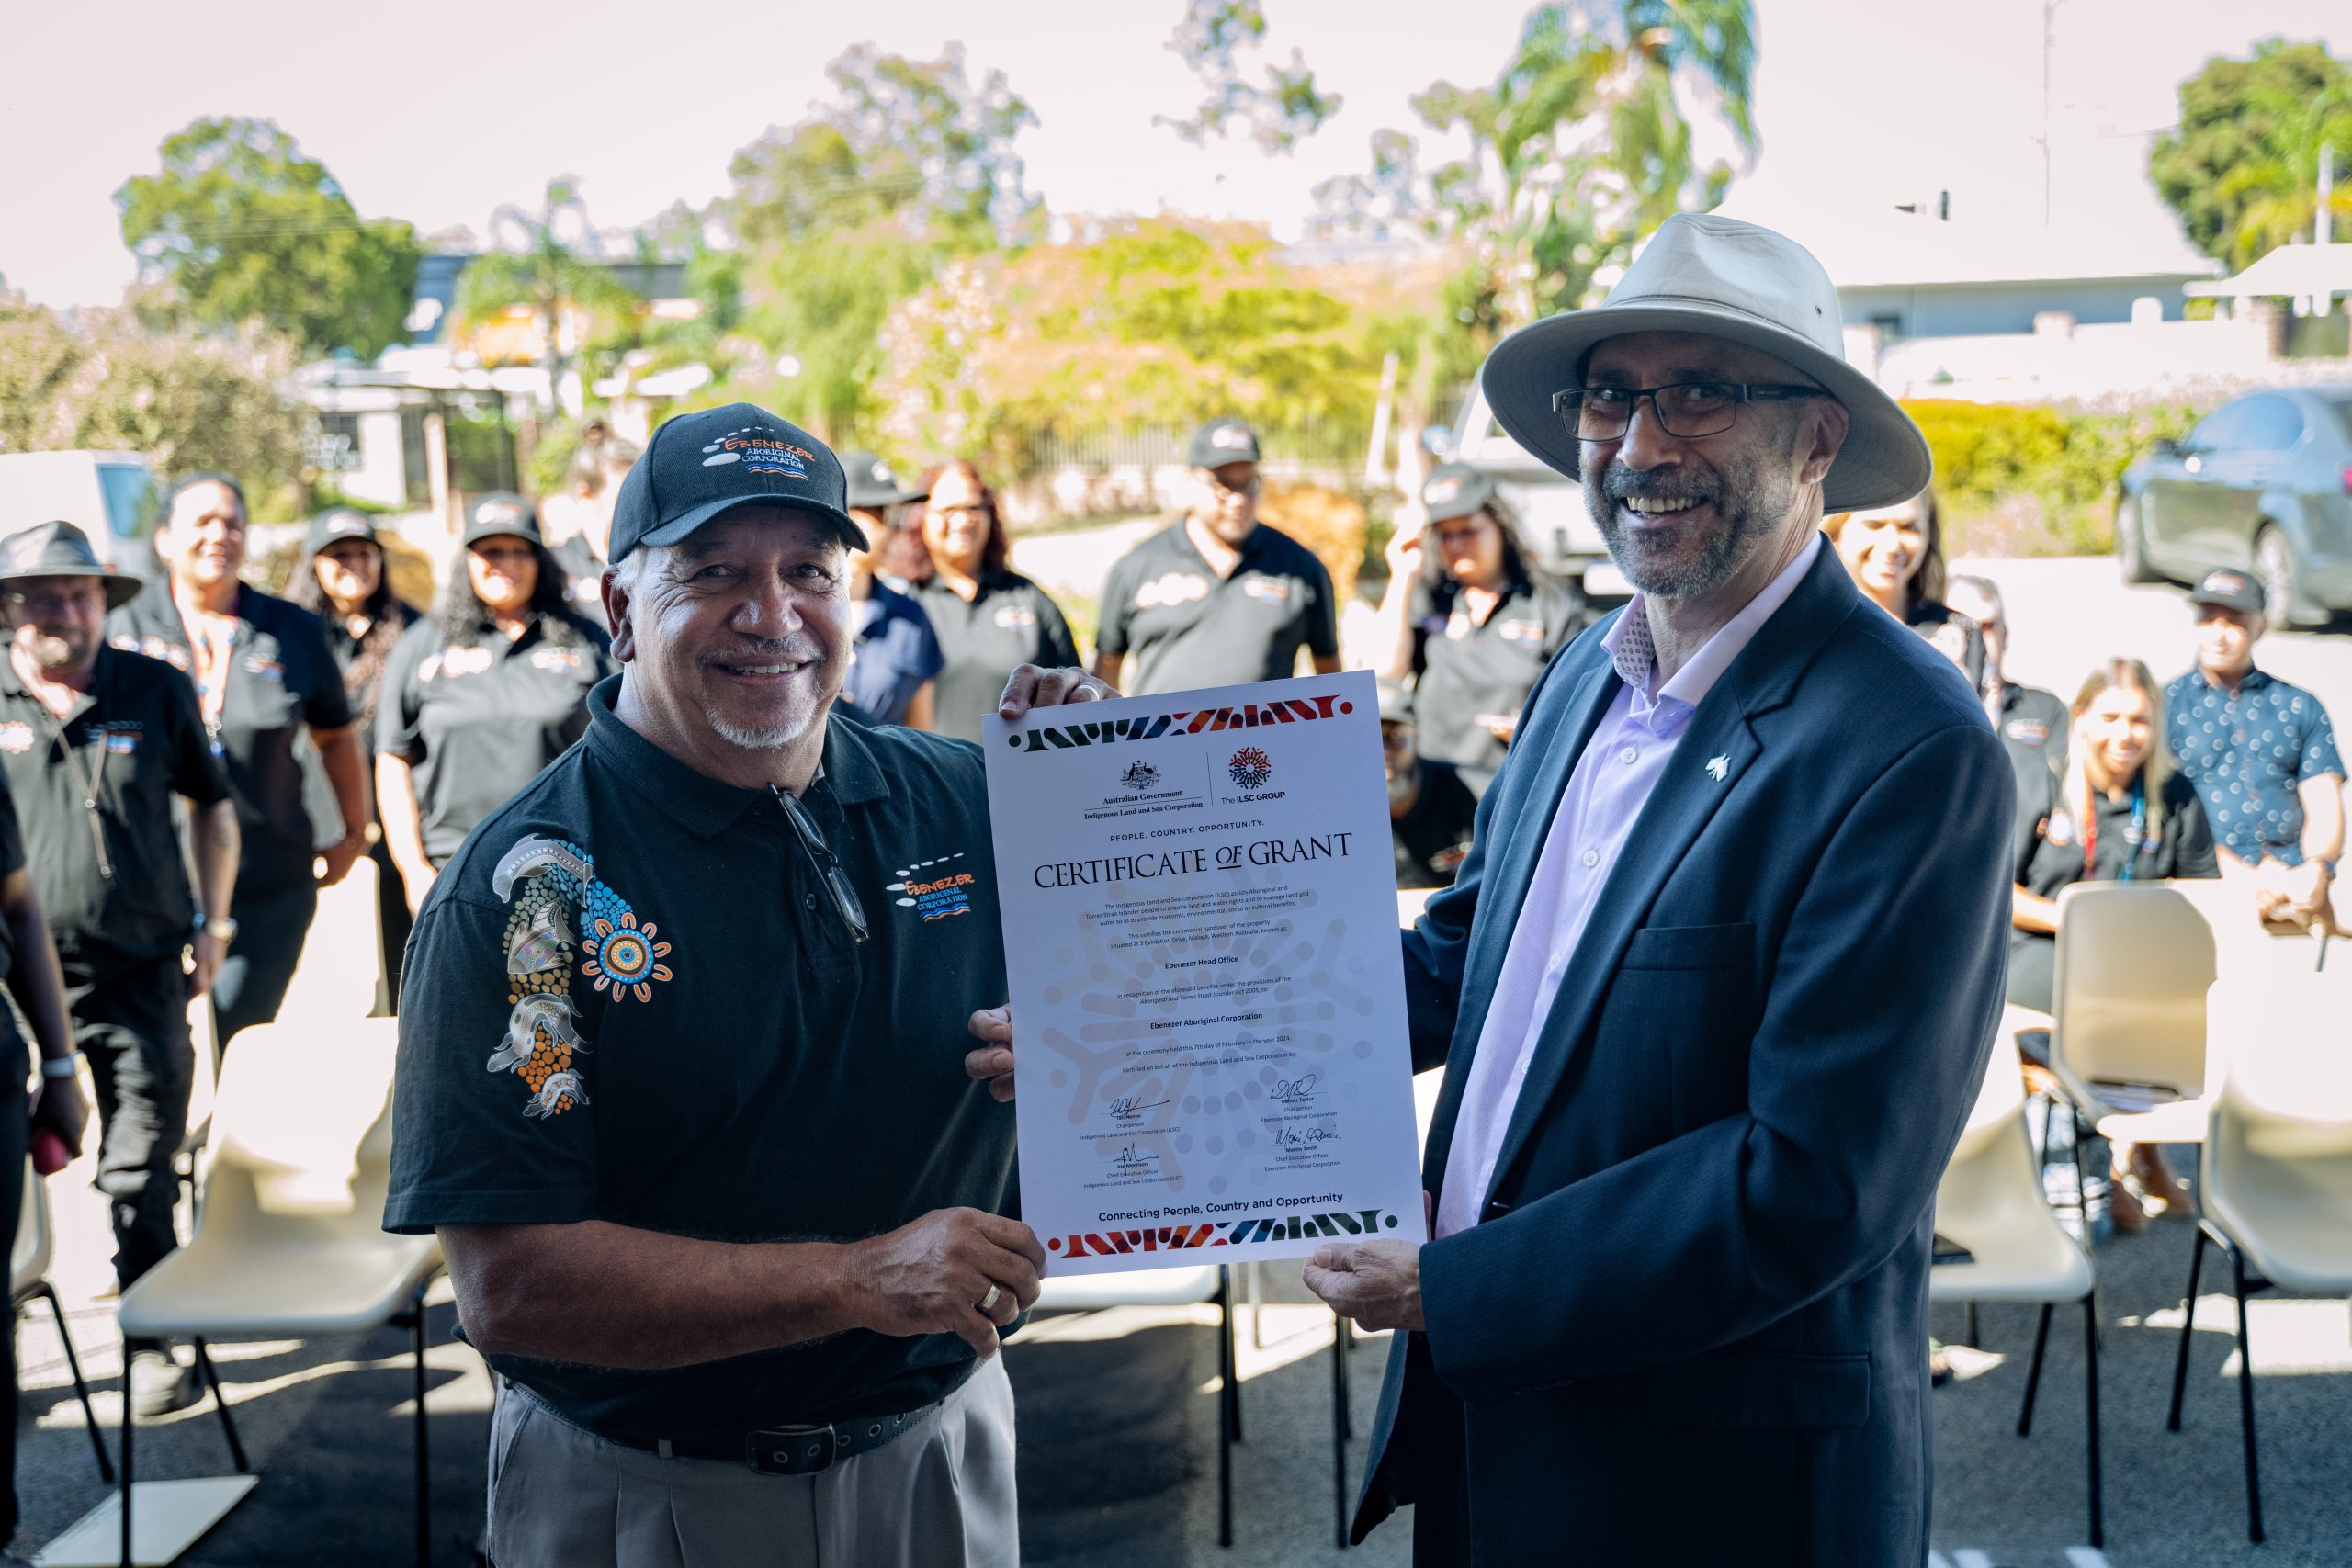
(564, 921)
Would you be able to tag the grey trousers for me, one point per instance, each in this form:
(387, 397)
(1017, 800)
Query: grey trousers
(940, 1497)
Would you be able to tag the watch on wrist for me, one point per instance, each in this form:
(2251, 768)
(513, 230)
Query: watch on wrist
(57, 1066)
(221, 928)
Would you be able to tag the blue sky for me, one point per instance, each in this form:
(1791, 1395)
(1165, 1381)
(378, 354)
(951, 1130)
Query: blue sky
(437, 111)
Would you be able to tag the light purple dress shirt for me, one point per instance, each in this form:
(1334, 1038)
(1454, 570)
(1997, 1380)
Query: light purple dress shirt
(1630, 750)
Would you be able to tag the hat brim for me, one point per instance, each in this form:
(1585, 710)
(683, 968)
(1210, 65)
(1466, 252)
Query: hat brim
(527, 532)
(1884, 461)
(120, 586)
(679, 528)
(889, 498)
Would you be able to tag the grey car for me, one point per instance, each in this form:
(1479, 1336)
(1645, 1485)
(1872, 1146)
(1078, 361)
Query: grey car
(2264, 483)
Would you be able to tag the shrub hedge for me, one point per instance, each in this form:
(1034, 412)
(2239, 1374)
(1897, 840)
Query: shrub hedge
(2034, 480)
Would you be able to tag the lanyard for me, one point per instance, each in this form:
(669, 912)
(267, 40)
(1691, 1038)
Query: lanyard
(2134, 837)
(213, 656)
(88, 783)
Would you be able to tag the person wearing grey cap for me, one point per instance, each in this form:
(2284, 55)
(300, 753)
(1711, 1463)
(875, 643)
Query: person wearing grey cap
(1713, 993)
(895, 657)
(484, 692)
(1216, 598)
(1474, 622)
(2262, 754)
(738, 1245)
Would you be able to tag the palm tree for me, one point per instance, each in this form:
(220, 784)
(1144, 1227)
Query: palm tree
(572, 300)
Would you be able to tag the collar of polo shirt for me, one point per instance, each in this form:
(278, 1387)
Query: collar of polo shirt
(705, 806)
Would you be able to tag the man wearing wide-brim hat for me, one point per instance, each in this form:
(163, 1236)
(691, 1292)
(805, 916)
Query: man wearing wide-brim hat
(95, 742)
(1713, 990)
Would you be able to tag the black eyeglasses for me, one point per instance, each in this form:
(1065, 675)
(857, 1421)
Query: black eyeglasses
(845, 902)
(1686, 409)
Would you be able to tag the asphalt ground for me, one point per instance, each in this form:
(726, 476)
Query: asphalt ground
(1118, 1459)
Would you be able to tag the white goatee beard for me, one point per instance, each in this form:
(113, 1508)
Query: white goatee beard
(758, 739)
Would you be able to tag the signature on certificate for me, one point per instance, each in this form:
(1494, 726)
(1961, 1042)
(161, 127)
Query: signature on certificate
(1295, 1092)
(1131, 1107)
(1130, 1161)
(1288, 1137)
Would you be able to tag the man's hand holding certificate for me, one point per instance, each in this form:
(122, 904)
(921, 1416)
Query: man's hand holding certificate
(1198, 899)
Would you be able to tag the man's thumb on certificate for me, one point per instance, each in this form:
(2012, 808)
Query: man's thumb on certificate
(992, 1062)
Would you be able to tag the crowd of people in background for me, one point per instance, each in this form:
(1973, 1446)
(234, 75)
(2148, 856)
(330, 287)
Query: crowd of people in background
(256, 714)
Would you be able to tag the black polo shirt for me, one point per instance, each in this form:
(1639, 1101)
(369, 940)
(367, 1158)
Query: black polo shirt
(280, 681)
(1431, 838)
(1466, 667)
(1010, 622)
(476, 720)
(1187, 627)
(704, 1050)
(2050, 855)
(2034, 726)
(15, 1065)
(137, 735)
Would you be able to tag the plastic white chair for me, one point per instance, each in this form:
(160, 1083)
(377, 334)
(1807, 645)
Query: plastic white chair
(1990, 1201)
(2277, 1169)
(29, 1279)
(290, 1238)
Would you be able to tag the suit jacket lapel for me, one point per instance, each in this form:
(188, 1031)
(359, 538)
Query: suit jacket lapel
(1684, 800)
(1584, 694)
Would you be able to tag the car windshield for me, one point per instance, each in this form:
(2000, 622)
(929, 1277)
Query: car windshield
(131, 499)
(2342, 403)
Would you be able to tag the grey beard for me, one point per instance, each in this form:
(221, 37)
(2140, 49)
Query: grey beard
(1750, 499)
(756, 739)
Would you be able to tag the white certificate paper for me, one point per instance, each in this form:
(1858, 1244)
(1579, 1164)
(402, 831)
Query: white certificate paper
(1208, 998)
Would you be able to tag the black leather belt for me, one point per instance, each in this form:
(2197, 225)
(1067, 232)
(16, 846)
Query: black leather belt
(795, 1448)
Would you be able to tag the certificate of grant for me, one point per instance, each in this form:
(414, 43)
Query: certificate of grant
(1208, 998)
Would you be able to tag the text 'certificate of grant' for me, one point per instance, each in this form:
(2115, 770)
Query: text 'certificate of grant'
(1208, 996)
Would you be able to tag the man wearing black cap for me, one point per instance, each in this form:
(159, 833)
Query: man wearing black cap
(895, 656)
(669, 1086)
(2262, 754)
(1431, 812)
(1216, 598)
(262, 676)
(94, 742)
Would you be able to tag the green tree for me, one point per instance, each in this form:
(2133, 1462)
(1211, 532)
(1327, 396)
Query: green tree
(576, 306)
(244, 227)
(2242, 168)
(185, 401)
(843, 215)
(1278, 115)
(1578, 149)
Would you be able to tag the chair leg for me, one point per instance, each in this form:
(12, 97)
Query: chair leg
(2034, 1373)
(81, 1389)
(2090, 1398)
(1226, 1419)
(1339, 1434)
(2082, 1181)
(423, 1464)
(2188, 1323)
(128, 1424)
(1975, 1328)
(220, 1403)
(2246, 1404)
(1232, 1356)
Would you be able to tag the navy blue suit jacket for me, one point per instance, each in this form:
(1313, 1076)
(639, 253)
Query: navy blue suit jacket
(1693, 1326)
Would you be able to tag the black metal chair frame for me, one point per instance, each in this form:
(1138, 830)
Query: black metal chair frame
(42, 1290)
(1230, 1414)
(412, 1318)
(2090, 1399)
(2244, 1283)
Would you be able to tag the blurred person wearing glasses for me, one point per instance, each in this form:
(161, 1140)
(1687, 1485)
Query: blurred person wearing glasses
(2033, 723)
(2123, 812)
(735, 1242)
(2262, 754)
(1216, 598)
(263, 679)
(990, 619)
(1895, 554)
(1474, 622)
(342, 579)
(1430, 810)
(483, 693)
(94, 744)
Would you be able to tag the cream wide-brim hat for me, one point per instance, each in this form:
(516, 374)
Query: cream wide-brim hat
(1728, 279)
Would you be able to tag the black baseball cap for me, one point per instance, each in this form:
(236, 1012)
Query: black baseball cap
(1222, 441)
(1455, 490)
(701, 466)
(873, 485)
(338, 523)
(502, 511)
(2230, 589)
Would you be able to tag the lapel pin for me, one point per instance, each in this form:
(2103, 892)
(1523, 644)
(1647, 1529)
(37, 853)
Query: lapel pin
(1718, 766)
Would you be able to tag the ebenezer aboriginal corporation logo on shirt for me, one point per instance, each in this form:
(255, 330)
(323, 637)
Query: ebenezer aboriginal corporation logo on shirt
(936, 890)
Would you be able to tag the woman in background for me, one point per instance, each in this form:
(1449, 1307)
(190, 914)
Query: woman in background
(988, 618)
(1896, 555)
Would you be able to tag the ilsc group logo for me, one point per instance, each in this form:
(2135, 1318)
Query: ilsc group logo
(1249, 768)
